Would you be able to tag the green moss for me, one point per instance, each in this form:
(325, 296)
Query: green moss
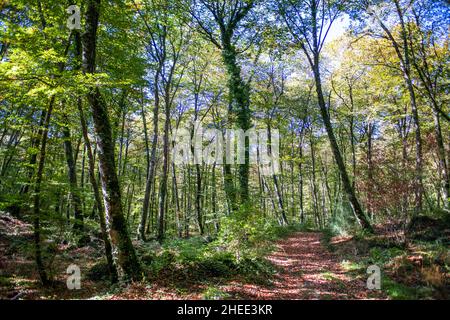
(398, 291)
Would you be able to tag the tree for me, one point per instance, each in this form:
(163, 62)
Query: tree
(226, 17)
(127, 262)
(309, 23)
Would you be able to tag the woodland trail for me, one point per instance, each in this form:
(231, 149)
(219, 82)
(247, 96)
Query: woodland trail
(307, 270)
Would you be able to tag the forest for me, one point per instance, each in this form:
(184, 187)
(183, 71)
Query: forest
(224, 149)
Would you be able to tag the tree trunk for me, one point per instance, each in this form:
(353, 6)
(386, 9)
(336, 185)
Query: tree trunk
(300, 181)
(165, 170)
(240, 105)
(37, 196)
(123, 250)
(152, 164)
(443, 168)
(78, 225)
(98, 200)
(198, 198)
(275, 181)
(364, 222)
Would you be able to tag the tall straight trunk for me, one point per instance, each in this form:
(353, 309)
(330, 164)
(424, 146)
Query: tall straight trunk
(370, 175)
(403, 54)
(125, 156)
(33, 159)
(325, 183)
(205, 189)
(189, 203)
(419, 157)
(151, 220)
(165, 170)
(82, 178)
(175, 194)
(406, 68)
(122, 107)
(177, 201)
(198, 174)
(300, 181)
(152, 164)
(98, 200)
(313, 176)
(403, 132)
(313, 55)
(272, 201)
(214, 199)
(352, 136)
(37, 196)
(260, 182)
(125, 255)
(198, 198)
(78, 225)
(230, 190)
(240, 106)
(357, 209)
(292, 163)
(94, 183)
(275, 181)
(41, 140)
(443, 167)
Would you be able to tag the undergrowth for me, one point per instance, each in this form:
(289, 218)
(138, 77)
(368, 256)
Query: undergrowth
(414, 266)
(238, 250)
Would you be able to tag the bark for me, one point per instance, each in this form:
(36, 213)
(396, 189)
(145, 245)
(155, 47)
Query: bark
(127, 263)
(239, 93)
(279, 196)
(403, 54)
(337, 153)
(41, 140)
(37, 196)
(123, 109)
(91, 170)
(443, 168)
(352, 135)
(98, 200)
(35, 141)
(312, 47)
(176, 201)
(78, 225)
(370, 174)
(214, 199)
(313, 176)
(198, 198)
(165, 170)
(152, 164)
(300, 181)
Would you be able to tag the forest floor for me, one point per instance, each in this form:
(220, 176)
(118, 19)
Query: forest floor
(307, 270)
(306, 265)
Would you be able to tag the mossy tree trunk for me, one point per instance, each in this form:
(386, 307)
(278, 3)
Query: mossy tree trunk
(123, 250)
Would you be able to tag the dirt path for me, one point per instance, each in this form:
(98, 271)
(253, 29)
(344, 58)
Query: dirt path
(307, 270)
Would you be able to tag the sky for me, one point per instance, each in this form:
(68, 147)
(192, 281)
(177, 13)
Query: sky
(338, 28)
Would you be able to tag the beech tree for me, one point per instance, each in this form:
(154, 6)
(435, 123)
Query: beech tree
(309, 23)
